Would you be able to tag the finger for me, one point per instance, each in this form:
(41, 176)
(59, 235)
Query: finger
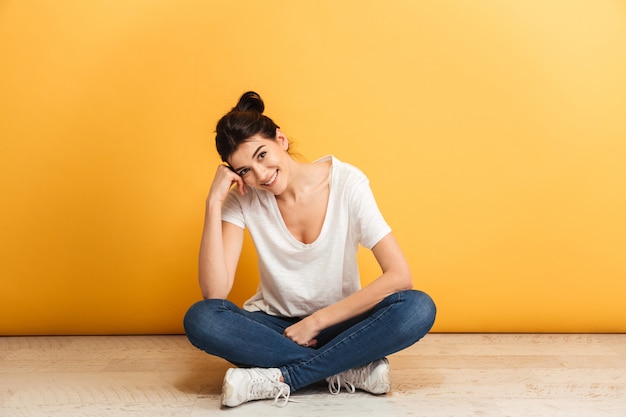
(241, 186)
(236, 179)
(310, 343)
(295, 340)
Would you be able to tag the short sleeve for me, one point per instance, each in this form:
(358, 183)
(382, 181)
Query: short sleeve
(232, 211)
(369, 222)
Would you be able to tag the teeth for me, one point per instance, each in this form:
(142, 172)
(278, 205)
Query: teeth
(272, 179)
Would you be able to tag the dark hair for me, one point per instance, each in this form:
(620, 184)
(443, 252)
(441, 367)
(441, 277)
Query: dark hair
(245, 120)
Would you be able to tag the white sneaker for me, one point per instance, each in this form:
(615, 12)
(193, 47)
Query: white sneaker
(374, 378)
(247, 384)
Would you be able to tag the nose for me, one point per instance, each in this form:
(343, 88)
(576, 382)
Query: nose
(259, 171)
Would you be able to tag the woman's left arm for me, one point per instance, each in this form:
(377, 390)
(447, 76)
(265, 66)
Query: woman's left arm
(395, 277)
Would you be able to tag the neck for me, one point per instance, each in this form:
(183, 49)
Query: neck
(304, 179)
(298, 181)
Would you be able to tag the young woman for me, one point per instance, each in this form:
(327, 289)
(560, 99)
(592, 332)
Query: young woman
(309, 319)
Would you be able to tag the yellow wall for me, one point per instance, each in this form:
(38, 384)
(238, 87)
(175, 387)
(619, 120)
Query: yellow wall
(494, 134)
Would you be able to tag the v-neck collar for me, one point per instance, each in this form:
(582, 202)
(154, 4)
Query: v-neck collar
(329, 206)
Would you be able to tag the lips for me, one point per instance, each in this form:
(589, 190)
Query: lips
(272, 180)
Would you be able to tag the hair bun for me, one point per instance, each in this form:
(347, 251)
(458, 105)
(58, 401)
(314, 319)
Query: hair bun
(250, 101)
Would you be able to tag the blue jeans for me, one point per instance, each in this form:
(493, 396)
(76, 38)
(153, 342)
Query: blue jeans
(255, 339)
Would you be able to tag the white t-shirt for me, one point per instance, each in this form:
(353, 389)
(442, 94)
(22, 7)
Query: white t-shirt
(297, 279)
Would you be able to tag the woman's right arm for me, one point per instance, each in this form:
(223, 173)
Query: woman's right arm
(221, 241)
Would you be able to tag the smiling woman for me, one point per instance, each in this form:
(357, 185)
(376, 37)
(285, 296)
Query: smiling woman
(495, 149)
(307, 221)
(255, 156)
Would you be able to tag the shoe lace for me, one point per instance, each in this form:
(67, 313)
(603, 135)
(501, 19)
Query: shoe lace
(336, 381)
(263, 388)
(282, 395)
(350, 380)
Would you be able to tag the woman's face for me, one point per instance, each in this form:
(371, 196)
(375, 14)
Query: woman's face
(262, 163)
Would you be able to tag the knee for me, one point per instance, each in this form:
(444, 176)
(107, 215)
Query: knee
(198, 319)
(422, 310)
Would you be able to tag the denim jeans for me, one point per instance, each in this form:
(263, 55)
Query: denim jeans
(255, 339)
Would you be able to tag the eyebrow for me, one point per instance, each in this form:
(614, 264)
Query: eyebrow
(253, 156)
(257, 151)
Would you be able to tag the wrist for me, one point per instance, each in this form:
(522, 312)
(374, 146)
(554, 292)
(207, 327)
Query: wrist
(213, 213)
(319, 320)
(213, 204)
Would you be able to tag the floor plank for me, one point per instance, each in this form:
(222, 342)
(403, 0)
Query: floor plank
(511, 375)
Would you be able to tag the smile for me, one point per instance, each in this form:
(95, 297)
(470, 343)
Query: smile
(271, 180)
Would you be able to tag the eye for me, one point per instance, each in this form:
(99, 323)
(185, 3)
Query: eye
(262, 155)
(243, 171)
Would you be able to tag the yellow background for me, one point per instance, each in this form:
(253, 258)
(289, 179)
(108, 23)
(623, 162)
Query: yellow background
(493, 132)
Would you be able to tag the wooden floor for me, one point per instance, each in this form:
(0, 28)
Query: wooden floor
(452, 375)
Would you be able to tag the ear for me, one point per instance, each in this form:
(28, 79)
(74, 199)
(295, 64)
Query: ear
(282, 139)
